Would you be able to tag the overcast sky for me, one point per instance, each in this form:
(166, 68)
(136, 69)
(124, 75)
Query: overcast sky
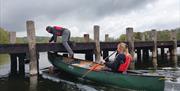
(113, 16)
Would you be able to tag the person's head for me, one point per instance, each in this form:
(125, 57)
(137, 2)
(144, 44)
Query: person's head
(49, 29)
(122, 48)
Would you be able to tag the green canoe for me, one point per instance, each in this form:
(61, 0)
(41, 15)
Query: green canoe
(129, 81)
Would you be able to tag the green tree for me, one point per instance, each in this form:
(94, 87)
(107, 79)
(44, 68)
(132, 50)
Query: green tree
(163, 35)
(4, 36)
(178, 33)
(122, 37)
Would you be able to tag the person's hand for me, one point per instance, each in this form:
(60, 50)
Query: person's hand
(102, 61)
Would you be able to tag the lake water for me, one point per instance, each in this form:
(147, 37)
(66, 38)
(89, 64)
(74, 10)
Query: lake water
(64, 82)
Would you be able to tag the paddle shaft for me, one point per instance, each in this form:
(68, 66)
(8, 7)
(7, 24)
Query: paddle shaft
(91, 70)
(109, 55)
(96, 65)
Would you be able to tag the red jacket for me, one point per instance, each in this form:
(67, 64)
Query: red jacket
(123, 67)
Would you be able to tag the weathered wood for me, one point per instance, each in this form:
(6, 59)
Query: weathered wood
(33, 83)
(154, 51)
(162, 52)
(21, 63)
(86, 38)
(88, 53)
(107, 38)
(13, 58)
(32, 47)
(97, 43)
(12, 37)
(130, 40)
(80, 47)
(139, 56)
(106, 52)
(174, 48)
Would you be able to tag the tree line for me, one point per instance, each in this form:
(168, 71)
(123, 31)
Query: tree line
(138, 36)
(163, 35)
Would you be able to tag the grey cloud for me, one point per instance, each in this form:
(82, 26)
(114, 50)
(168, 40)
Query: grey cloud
(14, 13)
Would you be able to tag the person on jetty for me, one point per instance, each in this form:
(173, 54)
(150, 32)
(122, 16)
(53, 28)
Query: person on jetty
(60, 31)
(122, 59)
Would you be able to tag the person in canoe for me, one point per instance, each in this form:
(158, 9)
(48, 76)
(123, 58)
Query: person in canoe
(60, 31)
(122, 59)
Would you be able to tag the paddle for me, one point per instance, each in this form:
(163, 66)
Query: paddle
(95, 66)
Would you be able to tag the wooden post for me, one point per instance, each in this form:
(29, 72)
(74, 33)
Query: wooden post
(154, 51)
(13, 59)
(162, 53)
(12, 37)
(88, 54)
(145, 57)
(106, 52)
(22, 63)
(139, 57)
(97, 43)
(174, 49)
(33, 83)
(106, 37)
(130, 40)
(86, 38)
(32, 47)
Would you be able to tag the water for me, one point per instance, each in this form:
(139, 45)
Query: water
(64, 82)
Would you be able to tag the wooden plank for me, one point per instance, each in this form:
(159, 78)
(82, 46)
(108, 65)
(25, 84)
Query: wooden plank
(80, 47)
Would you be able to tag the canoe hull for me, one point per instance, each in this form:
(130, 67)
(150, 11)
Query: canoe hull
(136, 82)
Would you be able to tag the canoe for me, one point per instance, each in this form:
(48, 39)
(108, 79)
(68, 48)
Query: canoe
(78, 68)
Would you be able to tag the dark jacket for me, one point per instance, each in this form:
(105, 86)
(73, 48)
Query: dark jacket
(118, 60)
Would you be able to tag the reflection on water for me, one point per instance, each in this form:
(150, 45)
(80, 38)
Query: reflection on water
(4, 64)
(60, 81)
(4, 59)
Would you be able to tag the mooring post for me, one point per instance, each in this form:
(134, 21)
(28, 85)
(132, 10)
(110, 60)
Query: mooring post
(89, 53)
(106, 37)
(154, 51)
(86, 38)
(162, 53)
(130, 40)
(32, 47)
(174, 49)
(97, 43)
(12, 37)
(106, 52)
(13, 57)
(139, 57)
(33, 83)
(22, 63)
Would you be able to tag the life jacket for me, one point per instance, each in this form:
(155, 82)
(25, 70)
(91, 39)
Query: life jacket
(123, 67)
(59, 30)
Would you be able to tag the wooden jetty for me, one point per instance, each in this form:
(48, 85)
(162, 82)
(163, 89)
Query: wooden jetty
(31, 50)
